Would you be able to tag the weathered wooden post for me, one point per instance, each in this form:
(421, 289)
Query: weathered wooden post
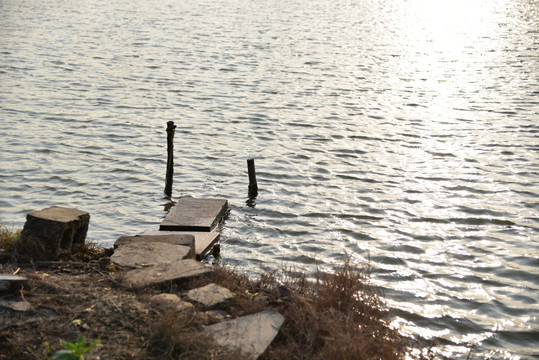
(253, 186)
(170, 161)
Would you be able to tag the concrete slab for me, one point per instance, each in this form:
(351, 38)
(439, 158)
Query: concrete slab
(203, 243)
(140, 254)
(170, 302)
(190, 214)
(164, 273)
(10, 282)
(184, 239)
(250, 334)
(210, 295)
(216, 315)
(173, 238)
(58, 214)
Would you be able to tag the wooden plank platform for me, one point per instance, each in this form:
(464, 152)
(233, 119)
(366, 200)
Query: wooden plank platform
(190, 214)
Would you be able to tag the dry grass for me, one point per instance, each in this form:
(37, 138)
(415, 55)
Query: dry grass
(339, 315)
(8, 236)
(178, 335)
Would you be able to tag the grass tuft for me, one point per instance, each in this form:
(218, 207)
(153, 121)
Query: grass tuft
(339, 315)
(177, 335)
(8, 237)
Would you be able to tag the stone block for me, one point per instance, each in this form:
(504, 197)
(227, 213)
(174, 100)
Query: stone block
(190, 214)
(49, 232)
(216, 315)
(170, 302)
(18, 305)
(210, 295)
(250, 334)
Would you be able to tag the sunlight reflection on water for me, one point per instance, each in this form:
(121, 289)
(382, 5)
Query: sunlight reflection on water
(401, 133)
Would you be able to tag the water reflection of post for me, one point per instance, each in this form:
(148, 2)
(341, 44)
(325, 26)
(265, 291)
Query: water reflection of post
(253, 186)
(170, 161)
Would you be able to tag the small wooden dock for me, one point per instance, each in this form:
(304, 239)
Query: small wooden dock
(164, 256)
(190, 214)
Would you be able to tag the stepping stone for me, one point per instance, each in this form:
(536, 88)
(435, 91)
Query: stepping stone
(203, 243)
(190, 214)
(173, 238)
(165, 273)
(140, 254)
(170, 301)
(218, 315)
(210, 295)
(250, 334)
(51, 231)
(21, 306)
(169, 238)
(10, 282)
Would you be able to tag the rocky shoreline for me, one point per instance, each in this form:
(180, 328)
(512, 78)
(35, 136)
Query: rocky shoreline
(149, 298)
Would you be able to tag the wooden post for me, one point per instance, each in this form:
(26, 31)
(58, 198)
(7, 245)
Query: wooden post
(253, 186)
(170, 161)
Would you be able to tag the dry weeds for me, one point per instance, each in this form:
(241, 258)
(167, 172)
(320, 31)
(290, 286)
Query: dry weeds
(337, 316)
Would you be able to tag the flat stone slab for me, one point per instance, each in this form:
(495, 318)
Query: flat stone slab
(190, 214)
(250, 334)
(164, 273)
(210, 295)
(9, 282)
(203, 241)
(170, 302)
(173, 238)
(19, 305)
(58, 214)
(50, 231)
(141, 254)
(218, 315)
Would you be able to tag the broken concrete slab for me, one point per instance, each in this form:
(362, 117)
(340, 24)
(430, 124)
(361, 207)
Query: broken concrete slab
(50, 231)
(190, 214)
(210, 295)
(10, 282)
(172, 238)
(203, 243)
(170, 301)
(250, 334)
(18, 305)
(141, 254)
(216, 315)
(164, 273)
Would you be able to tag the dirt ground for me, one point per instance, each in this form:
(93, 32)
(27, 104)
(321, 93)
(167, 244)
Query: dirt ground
(83, 295)
(71, 300)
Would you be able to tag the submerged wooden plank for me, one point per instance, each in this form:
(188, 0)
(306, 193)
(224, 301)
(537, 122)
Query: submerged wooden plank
(190, 214)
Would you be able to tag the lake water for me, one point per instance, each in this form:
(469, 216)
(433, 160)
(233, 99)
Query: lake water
(400, 132)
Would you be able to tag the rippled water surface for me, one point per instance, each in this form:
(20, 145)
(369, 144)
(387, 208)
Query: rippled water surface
(400, 131)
